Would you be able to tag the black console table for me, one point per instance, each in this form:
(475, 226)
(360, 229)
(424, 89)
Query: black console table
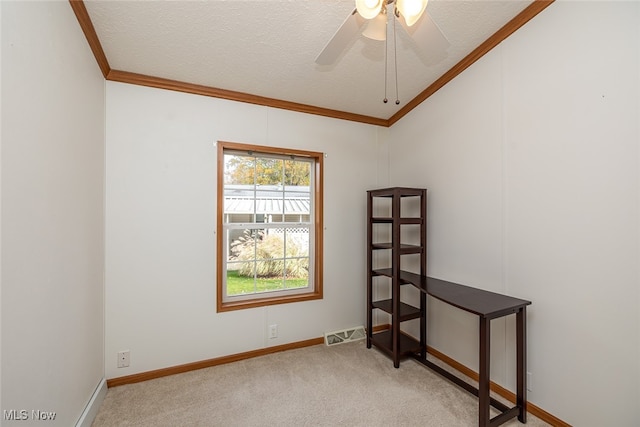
(487, 306)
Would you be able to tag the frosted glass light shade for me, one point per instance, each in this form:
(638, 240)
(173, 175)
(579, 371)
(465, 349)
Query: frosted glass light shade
(376, 29)
(411, 10)
(369, 9)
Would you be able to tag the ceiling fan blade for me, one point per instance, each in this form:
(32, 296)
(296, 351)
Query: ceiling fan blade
(340, 40)
(429, 39)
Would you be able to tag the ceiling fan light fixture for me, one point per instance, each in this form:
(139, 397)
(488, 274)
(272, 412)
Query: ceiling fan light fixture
(369, 9)
(411, 10)
(376, 29)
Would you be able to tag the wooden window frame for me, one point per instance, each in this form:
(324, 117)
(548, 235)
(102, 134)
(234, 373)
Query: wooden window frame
(318, 228)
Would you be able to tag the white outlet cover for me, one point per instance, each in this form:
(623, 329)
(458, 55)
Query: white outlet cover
(273, 331)
(124, 358)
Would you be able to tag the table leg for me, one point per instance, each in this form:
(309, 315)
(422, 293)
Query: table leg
(483, 381)
(423, 326)
(521, 356)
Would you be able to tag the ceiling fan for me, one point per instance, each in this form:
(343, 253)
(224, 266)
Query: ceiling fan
(371, 17)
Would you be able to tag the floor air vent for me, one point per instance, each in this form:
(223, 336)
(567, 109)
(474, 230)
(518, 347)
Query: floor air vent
(346, 335)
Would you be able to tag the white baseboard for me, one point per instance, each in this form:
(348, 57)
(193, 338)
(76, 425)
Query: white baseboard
(91, 410)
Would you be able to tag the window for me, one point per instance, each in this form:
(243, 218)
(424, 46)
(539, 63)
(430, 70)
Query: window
(269, 226)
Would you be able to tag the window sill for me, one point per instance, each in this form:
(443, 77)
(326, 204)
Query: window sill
(261, 302)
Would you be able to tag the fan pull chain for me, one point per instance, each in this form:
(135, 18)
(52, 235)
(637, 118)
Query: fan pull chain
(395, 57)
(386, 60)
(386, 48)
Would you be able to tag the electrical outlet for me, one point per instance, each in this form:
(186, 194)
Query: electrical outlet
(529, 381)
(273, 331)
(124, 358)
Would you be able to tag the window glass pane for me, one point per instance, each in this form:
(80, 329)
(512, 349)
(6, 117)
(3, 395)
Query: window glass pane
(297, 173)
(297, 204)
(239, 189)
(270, 246)
(242, 246)
(240, 278)
(239, 170)
(269, 200)
(270, 260)
(297, 242)
(238, 211)
(297, 273)
(269, 171)
(241, 218)
(274, 218)
(297, 191)
(270, 268)
(266, 284)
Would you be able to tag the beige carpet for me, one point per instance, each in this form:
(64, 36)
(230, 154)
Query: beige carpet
(342, 385)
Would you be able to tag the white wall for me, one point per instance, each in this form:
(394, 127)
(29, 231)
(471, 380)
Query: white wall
(161, 218)
(531, 158)
(52, 195)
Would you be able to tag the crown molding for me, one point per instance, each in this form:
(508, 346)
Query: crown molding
(90, 33)
(498, 37)
(161, 83)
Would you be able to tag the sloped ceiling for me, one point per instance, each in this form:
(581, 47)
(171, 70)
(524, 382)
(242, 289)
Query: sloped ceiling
(264, 51)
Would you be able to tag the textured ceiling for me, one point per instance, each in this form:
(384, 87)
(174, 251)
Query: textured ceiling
(267, 48)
